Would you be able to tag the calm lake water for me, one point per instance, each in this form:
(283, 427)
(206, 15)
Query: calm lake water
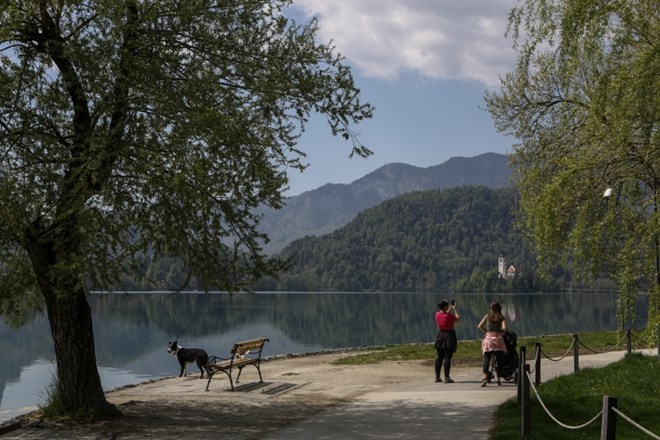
(132, 330)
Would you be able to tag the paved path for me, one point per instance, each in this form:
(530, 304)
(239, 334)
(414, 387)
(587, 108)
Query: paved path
(417, 409)
(459, 411)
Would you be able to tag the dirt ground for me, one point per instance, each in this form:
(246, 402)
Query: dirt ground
(294, 389)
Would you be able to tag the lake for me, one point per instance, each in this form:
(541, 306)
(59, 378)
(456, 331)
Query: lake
(132, 330)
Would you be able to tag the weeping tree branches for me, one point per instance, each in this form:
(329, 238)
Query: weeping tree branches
(583, 102)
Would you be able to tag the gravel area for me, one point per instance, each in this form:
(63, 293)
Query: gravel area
(294, 389)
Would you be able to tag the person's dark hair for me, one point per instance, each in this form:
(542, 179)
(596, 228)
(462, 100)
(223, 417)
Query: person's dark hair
(443, 304)
(495, 312)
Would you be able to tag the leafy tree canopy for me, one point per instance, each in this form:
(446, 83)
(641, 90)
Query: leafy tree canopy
(584, 102)
(130, 127)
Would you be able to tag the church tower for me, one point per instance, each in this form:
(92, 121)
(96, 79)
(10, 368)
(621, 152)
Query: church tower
(501, 267)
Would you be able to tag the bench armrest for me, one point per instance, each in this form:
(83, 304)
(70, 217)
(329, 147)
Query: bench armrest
(215, 359)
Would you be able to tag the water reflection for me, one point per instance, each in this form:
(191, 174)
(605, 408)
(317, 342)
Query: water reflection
(132, 330)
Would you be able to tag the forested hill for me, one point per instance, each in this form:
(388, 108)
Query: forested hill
(331, 206)
(437, 240)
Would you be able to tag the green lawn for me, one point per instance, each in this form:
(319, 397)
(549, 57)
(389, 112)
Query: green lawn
(577, 398)
(469, 352)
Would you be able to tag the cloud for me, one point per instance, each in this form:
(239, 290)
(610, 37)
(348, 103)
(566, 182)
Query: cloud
(437, 39)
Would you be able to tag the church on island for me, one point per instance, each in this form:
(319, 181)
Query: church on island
(503, 272)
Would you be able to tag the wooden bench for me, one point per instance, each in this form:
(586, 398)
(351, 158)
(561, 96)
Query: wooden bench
(242, 354)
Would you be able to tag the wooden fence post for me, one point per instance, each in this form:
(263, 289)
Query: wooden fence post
(608, 420)
(576, 354)
(537, 365)
(525, 403)
(521, 363)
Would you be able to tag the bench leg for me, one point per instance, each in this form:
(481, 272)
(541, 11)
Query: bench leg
(231, 382)
(256, 365)
(240, 369)
(210, 375)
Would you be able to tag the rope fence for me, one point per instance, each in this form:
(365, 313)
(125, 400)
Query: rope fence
(562, 357)
(609, 412)
(575, 346)
(547, 411)
(627, 335)
(635, 424)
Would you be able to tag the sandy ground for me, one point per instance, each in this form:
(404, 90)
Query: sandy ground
(293, 390)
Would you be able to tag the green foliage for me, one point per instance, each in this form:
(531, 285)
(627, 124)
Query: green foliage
(437, 240)
(154, 129)
(575, 399)
(583, 101)
(135, 129)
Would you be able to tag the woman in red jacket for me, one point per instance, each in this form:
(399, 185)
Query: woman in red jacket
(446, 342)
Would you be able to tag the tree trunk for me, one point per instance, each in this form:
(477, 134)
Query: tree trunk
(78, 388)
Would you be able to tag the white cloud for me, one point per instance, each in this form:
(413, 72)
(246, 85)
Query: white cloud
(438, 39)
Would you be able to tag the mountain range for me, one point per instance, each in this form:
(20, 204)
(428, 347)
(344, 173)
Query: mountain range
(331, 206)
(423, 241)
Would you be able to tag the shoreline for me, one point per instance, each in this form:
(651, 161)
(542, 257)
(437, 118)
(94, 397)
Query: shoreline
(296, 386)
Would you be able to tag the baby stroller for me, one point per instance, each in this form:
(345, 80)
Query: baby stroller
(508, 370)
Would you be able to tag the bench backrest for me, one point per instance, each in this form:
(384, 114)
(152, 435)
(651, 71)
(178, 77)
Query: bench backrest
(251, 348)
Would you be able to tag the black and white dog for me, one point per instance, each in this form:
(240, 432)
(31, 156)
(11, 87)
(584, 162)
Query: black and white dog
(186, 356)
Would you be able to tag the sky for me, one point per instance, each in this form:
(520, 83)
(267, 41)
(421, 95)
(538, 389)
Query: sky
(424, 65)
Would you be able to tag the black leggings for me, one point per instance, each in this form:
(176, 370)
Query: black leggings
(444, 354)
(488, 356)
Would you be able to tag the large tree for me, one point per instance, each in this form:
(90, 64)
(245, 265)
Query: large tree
(584, 102)
(133, 127)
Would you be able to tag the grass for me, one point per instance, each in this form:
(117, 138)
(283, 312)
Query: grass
(577, 398)
(573, 399)
(53, 409)
(469, 352)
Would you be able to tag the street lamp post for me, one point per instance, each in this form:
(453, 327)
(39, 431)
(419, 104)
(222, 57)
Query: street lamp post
(657, 256)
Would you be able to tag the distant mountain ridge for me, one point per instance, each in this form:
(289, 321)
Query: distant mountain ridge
(331, 206)
(426, 241)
